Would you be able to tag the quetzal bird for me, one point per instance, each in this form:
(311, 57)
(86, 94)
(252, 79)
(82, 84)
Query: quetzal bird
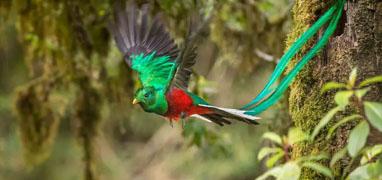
(164, 69)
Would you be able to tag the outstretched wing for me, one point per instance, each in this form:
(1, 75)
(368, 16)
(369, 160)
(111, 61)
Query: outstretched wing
(185, 61)
(146, 45)
(187, 55)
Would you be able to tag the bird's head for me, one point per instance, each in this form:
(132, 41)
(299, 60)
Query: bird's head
(151, 100)
(145, 96)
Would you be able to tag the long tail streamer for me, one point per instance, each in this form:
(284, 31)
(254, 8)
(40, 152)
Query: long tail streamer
(268, 96)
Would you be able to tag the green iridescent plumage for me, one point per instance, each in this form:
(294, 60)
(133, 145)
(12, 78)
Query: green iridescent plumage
(155, 74)
(152, 100)
(151, 52)
(148, 50)
(155, 71)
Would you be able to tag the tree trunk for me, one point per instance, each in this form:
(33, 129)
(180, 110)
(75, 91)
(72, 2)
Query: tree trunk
(356, 43)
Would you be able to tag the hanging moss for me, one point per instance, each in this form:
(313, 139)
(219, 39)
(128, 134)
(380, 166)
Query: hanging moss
(5, 7)
(87, 114)
(56, 35)
(37, 120)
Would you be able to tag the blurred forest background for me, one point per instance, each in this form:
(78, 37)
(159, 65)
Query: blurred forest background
(65, 92)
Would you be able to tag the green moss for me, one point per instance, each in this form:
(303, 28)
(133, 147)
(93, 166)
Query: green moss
(306, 103)
(307, 106)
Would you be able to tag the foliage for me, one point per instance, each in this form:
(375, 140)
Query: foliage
(281, 153)
(370, 161)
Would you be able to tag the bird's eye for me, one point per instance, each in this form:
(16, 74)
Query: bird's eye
(147, 95)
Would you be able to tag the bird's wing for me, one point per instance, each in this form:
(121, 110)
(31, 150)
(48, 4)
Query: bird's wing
(185, 61)
(146, 45)
(187, 56)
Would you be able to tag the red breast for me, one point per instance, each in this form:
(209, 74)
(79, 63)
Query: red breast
(178, 102)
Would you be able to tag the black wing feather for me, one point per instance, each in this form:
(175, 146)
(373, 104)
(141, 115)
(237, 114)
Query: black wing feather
(134, 33)
(184, 71)
(187, 56)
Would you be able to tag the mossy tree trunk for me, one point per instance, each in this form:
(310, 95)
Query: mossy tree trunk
(356, 43)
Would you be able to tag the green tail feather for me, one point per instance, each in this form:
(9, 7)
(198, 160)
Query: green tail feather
(267, 96)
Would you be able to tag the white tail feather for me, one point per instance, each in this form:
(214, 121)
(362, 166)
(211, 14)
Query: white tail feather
(236, 112)
(201, 118)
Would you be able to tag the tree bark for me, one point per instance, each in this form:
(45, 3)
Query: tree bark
(356, 43)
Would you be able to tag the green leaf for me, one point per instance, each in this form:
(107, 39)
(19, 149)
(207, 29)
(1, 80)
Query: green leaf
(288, 171)
(357, 138)
(370, 153)
(332, 85)
(370, 171)
(274, 158)
(337, 156)
(375, 170)
(267, 151)
(359, 173)
(273, 137)
(339, 123)
(318, 168)
(313, 157)
(342, 98)
(353, 77)
(373, 112)
(325, 120)
(361, 92)
(296, 135)
(372, 80)
(275, 172)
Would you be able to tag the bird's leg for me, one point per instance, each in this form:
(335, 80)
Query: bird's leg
(182, 118)
(171, 124)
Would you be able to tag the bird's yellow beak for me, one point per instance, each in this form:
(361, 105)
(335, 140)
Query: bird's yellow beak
(135, 101)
